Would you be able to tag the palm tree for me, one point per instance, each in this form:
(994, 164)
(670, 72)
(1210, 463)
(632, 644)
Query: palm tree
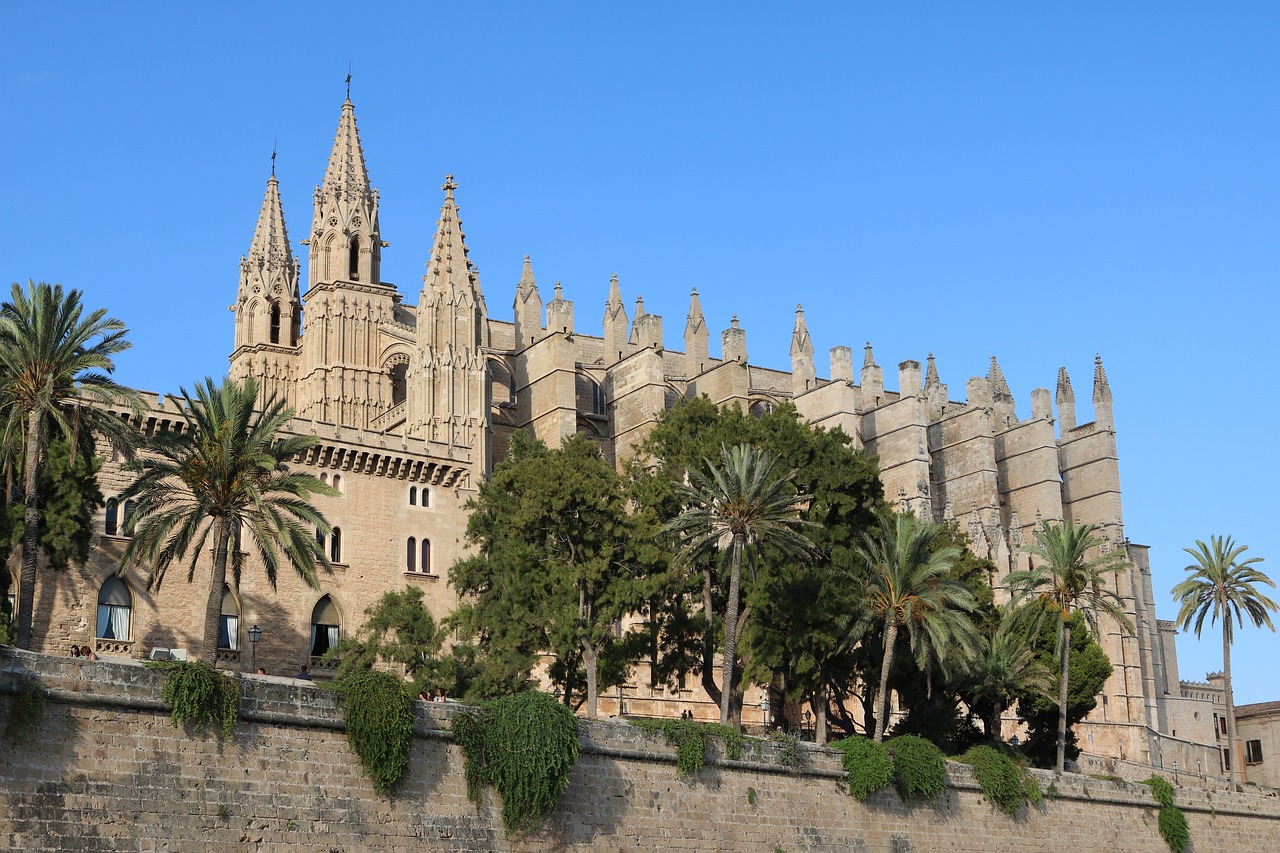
(1006, 666)
(1220, 587)
(907, 590)
(55, 366)
(225, 473)
(1066, 581)
(733, 508)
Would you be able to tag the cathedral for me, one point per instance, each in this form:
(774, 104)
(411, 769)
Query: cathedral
(412, 403)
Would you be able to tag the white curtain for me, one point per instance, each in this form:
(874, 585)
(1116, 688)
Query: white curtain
(333, 636)
(231, 632)
(113, 622)
(104, 620)
(313, 638)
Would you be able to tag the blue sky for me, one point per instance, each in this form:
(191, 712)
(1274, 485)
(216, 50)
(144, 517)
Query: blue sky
(1036, 182)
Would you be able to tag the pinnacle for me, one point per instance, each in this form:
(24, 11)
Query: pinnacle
(868, 359)
(1064, 391)
(931, 379)
(270, 244)
(346, 176)
(999, 387)
(1101, 388)
(800, 341)
(449, 266)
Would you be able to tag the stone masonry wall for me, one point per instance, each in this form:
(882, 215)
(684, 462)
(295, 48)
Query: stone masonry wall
(105, 770)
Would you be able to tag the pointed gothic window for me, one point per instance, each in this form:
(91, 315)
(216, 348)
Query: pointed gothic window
(229, 622)
(275, 323)
(353, 271)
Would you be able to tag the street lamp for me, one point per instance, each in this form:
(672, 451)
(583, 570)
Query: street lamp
(764, 711)
(255, 634)
(1175, 772)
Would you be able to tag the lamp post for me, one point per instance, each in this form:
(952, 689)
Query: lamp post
(255, 634)
(764, 712)
(807, 717)
(1175, 772)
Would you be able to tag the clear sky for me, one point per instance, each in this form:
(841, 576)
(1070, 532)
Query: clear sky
(1038, 182)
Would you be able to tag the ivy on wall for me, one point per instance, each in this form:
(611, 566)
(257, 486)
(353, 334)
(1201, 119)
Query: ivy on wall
(199, 695)
(379, 720)
(1171, 822)
(524, 746)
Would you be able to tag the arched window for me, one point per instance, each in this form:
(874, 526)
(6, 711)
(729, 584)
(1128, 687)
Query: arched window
(115, 605)
(112, 524)
(426, 557)
(275, 323)
(399, 383)
(229, 624)
(324, 477)
(597, 399)
(335, 545)
(411, 555)
(127, 516)
(325, 626)
(353, 263)
(425, 496)
(413, 496)
(337, 483)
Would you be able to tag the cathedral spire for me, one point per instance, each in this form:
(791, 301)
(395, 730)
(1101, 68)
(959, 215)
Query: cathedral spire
(528, 308)
(1066, 400)
(803, 372)
(345, 241)
(931, 379)
(1102, 412)
(450, 271)
(615, 322)
(695, 337)
(1001, 396)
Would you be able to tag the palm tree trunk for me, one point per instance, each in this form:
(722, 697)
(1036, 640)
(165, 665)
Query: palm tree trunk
(730, 631)
(882, 698)
(1062, 698)
(1231, 703)
(820, 718)
(217, 580)
(708, 642)
(30, 527)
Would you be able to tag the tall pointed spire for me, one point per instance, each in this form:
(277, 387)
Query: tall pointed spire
(695, 338)
(345, 241)
(803, 371)
(931, 379)
(528, 308)
(269, 248)
(1001, 396)
(1102, 411)
(449, 271)
(267, 307)
(1066, 400)
(615, 322)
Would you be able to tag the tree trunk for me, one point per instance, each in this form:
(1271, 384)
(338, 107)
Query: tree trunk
(882, 697)
(590, 660)
(993, 724)
(1231, 702)
(730, 631)
(820, 718)
(30, 527)
(1062, 698)
(708, 643)
(217, 580)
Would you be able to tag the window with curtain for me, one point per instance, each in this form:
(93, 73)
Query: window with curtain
(229, 624)
(115, 605)
(325, 626)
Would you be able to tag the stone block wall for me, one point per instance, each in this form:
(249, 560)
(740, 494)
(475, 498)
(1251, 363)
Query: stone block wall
(105, 770)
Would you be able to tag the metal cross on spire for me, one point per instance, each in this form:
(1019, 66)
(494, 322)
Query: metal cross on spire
(348, 81)
(273, 158)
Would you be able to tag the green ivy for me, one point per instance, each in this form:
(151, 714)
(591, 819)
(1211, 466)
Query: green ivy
(379, 720)
(919, 770)
(789, 754)
(730, 735)
(1172, 822)
(524, 746)
(867, 764)
(199, 695)
(26, 710)
(1031, 787)
(1173, 828)
(689, 739)
(1001, 780)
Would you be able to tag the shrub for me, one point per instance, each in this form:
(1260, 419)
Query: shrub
(789, 752)
(689, 739)
(1160, 789)
(199, 695)
(867, 764)
(379, 719)
(731, 736)
(1001, 779)
(26, 710)
(919, 770)
(523, 745)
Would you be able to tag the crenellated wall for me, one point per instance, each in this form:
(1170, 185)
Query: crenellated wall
(105, 770)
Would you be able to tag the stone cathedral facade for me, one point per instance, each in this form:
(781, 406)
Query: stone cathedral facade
(413, 397)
